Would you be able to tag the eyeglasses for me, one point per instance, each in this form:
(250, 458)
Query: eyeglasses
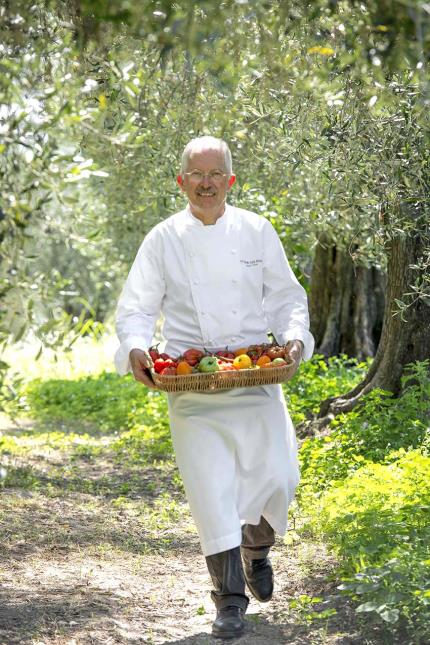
(196, 176)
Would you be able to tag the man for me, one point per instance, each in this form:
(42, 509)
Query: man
(220, 277)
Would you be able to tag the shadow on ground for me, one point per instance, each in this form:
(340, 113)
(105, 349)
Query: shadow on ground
(92, 477)
(267, 633)
(32, 522)
(59, 612)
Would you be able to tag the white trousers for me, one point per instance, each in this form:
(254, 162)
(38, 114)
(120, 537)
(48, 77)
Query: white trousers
(236, 451)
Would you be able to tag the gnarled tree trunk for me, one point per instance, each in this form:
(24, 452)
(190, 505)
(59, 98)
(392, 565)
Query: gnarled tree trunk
(346, 304)
(404, 339)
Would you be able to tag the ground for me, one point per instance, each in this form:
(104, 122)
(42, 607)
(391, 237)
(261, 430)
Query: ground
(95, 550)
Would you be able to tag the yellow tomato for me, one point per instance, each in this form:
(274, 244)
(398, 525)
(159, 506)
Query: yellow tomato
(242, 362)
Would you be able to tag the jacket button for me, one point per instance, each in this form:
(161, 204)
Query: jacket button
(234, 311)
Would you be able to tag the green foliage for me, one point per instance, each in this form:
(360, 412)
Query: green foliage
(108, 400)
(324, 105)
(307, 608)
(371, 432)
(136, 416)
(319, 379)
(365, 490)
(9, 388)
(378, 519)
(149, 436)
(379, 507)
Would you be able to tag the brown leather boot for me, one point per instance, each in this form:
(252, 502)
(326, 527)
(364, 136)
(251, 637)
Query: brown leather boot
(256, 543)
(229, 622)
(259, 578)
(226, 571)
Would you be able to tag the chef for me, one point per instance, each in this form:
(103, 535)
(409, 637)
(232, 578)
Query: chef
(220, 277)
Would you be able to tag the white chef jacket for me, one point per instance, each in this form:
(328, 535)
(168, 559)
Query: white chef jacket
(218, 286)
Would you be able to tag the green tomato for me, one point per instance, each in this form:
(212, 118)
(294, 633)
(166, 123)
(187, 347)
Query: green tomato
(209, 364)
(279, 361)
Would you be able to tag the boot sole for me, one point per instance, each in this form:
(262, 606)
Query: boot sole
(261, 599)
(256, 596)
(255, 593)
(229, 635)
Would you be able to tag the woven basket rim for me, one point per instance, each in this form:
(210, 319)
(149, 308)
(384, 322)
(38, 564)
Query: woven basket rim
(249, 371)
(220, 380)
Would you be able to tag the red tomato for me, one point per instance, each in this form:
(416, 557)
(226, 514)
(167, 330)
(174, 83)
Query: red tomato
(226, 367)
(160, 364)
(193, 356)
(275, 352)
(170, 370)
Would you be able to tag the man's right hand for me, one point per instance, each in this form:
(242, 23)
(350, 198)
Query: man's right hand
(140, 361)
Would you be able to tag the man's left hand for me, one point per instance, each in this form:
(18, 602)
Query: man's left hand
(294, 350)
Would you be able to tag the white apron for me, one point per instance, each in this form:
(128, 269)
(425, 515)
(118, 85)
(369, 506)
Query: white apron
(237, 454)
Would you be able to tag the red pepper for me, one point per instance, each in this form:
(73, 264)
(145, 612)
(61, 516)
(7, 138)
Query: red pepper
(225, 354)
(154, 353)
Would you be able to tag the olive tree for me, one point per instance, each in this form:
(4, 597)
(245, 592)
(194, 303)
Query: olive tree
(304, 92)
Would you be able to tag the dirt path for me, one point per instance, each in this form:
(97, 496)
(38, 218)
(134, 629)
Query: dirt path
(98, 552)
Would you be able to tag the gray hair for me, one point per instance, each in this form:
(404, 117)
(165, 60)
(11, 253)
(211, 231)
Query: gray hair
(202, 143)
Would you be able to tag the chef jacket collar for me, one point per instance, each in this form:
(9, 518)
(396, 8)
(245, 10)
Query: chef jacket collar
(198, 223)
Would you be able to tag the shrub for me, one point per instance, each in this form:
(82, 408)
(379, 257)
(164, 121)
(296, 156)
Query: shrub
(365, 491)
(378, 521)
(108, 400)
(121, 405)
(380, 426)
(319, 379)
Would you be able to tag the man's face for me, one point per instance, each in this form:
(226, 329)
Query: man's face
(206, 194)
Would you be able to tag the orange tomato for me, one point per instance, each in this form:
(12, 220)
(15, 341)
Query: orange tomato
(183, 368)
(239, 352)
(263, 360)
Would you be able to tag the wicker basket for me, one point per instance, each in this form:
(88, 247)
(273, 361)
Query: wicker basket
(224, 380)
